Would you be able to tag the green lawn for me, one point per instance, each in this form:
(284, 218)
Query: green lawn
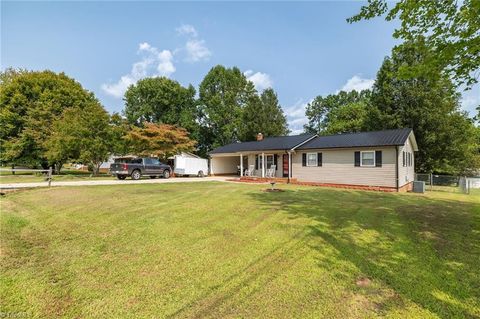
(231, 250)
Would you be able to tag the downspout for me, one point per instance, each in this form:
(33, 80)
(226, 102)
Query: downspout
(396, 168)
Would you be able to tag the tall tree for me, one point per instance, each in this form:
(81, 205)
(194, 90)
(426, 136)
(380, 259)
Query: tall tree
(84, 135)
(162, 140)
(263, 114)
(338, 113)
(30, 102)
(224, 94)
(161, 100)
(429, 104)
(451, 29)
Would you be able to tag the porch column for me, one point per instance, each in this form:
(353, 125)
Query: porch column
(241, 165)
(263, 164)
(289, 165)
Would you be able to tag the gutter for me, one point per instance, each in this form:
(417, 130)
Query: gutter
(396, 169)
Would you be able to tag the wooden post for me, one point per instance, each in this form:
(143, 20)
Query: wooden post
(49, 176)
(241, 165)
(431, 181)
(263, 164)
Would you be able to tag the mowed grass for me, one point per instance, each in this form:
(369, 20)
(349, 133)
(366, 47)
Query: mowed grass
(232, 250)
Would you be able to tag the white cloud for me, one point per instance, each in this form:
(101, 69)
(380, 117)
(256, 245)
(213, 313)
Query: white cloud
(187, 29)
(358, 84)
(471, 100)
(153, 63)
(259, 79)
(296, 117)
(197, 50)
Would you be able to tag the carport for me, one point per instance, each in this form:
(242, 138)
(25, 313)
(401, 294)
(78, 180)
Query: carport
(227, 164)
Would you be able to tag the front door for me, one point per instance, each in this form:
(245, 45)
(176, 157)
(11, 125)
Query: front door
(285, 165)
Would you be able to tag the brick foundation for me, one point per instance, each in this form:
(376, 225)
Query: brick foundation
(253, 179)
(406, 188)
(349, 186)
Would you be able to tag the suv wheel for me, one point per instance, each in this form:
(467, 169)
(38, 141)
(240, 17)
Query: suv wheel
(136, 174)
(166, 173)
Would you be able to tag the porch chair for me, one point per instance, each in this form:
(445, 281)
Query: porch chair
(271, 171)
(250, 171)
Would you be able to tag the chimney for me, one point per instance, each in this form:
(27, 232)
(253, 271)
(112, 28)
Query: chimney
(259, 136)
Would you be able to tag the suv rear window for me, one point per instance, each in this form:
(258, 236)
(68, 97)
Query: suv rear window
(128, 160)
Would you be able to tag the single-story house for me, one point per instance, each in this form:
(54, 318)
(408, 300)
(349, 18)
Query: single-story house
(381, 160)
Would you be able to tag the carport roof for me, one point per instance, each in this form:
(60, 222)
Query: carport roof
(268, 143)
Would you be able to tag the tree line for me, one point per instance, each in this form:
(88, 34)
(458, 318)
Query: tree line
(48, 119)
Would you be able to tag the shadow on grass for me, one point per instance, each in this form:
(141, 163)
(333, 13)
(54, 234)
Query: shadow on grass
(426, 250)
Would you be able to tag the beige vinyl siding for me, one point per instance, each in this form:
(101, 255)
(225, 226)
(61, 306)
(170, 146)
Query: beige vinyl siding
(406, 174)
(339, 168)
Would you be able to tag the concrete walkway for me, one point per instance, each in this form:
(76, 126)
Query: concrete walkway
(116, 182)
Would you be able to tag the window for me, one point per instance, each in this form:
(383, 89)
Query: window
(311, 159)
(368, 158)
(269, 160)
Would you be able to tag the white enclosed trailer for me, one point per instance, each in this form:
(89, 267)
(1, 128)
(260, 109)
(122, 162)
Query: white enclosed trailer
(190, 164)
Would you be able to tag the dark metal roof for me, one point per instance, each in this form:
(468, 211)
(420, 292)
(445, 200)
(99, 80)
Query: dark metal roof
(363, 139)
(268, 143)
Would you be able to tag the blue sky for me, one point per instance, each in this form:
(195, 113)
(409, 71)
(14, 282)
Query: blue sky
(301, 49)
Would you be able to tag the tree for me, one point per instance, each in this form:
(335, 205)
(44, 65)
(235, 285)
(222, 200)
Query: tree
(429, 104)
(84, 135)
(223, 96)
(161, 100)
(162, 140)
(451, 29)
(29, 103)
(263, 114)
(120, 129)
(348, 118)
(342, 112)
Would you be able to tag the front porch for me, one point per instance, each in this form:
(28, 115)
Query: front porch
(268, 164)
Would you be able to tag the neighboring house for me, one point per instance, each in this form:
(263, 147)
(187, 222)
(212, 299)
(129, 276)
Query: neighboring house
(382, 159)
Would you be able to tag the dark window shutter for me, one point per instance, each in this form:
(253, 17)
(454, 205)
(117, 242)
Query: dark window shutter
(378, 158)
(319, 159)
(304, 159)
(404, 159)
(357, 158)
(275, 161)
(256, 161)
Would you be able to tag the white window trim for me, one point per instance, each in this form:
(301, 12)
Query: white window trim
(361, 159)
(316, 160)
(260, 162)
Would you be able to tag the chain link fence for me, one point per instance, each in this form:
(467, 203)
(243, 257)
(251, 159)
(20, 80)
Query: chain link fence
(450, 183)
